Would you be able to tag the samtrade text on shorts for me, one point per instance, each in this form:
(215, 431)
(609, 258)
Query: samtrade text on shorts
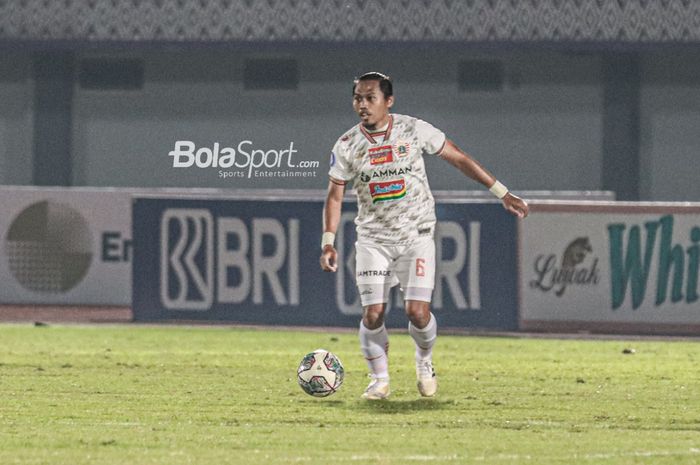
(244, 156)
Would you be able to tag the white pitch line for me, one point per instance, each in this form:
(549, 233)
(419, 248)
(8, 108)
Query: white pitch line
(404, 458)
(496, 457)
(691, 451)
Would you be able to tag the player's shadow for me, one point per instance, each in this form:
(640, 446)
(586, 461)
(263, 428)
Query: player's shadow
(405, 406)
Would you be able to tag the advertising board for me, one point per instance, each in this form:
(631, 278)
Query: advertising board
(63, 246)
(257, 262)
(611, 267)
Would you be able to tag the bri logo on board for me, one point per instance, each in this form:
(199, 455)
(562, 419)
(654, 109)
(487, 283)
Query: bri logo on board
(200, 252)
(389, 190)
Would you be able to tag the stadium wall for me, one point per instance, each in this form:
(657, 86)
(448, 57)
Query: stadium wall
(15, 119)
(546, 119)
(546, 115)
(670, 118)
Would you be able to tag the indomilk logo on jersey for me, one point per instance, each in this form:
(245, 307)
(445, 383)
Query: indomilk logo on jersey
(389, 190)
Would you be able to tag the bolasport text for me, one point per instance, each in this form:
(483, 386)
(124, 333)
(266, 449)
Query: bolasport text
(244, 157)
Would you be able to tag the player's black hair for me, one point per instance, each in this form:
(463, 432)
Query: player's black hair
(384, 82)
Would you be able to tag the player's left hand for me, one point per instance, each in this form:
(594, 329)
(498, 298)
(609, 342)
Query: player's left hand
(515, 205)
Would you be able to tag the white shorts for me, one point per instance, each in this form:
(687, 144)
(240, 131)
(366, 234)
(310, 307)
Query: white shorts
(380, 267)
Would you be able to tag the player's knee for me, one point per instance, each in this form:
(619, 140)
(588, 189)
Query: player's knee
(373, 316)
(418, 313)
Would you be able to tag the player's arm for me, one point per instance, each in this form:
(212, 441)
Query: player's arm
(472, 169)
(331, 217)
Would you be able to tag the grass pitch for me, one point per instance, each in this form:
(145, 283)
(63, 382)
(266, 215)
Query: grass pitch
(174, 395)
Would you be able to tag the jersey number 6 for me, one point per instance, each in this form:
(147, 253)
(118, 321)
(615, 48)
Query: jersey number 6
(420, 269)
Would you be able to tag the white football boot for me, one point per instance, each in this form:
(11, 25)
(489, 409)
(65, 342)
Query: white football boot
(427, 381)
(378, 389)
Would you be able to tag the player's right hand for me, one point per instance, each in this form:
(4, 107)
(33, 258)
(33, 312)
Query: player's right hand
(329, 259)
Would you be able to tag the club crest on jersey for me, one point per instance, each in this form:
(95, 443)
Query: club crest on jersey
(402, 148)
(332, 158)
(388, 190)
(380, 155)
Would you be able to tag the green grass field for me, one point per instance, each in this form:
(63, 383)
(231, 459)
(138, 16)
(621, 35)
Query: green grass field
(177, 395)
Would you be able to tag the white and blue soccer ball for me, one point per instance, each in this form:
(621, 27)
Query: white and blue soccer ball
(320, 373)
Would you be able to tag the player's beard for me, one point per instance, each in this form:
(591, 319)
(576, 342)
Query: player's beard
(372, 123)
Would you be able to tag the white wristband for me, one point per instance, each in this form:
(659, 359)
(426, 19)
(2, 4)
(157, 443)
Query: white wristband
(498, 189)
(328, 238)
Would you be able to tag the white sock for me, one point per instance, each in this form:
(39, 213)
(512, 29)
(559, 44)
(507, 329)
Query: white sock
(375, 347)
(424, 338)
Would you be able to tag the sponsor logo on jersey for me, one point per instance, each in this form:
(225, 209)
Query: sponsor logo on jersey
(384, 173)
(366, 273)
(332, 158)
(388, 190)
(379, 155)
(402, 148)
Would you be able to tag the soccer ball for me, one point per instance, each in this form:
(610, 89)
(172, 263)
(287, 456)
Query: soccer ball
(320, 373)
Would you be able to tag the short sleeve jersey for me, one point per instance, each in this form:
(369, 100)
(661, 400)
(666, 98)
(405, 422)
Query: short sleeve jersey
(394, 201)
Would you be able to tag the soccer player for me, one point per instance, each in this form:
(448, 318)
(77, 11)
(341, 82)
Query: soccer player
(383, 158)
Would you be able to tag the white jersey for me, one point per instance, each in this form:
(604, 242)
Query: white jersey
(394, 201)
